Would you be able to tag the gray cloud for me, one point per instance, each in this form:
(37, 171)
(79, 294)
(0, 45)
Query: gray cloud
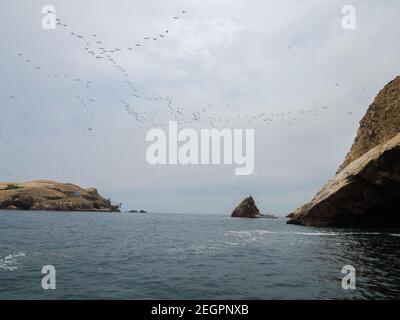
(255, 56)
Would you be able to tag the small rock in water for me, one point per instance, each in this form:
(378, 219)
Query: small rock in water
(246, 209)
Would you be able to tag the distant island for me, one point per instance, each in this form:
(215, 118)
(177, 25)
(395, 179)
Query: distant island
(366, 189)
(50, 195)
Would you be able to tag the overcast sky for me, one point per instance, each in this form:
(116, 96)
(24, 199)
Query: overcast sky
(225, 58)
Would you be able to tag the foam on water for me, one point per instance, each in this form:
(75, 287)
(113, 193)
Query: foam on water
(9, 262)
(319, 233)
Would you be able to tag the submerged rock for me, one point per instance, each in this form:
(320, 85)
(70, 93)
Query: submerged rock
(52, 196)
(246, 209)
(267, 216)
(366, 190)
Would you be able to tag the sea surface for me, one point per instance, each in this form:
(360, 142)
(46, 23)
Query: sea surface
(177, 256)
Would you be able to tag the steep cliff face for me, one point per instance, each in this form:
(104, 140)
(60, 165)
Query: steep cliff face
(51, 195)
(380, 123)
(366, 190)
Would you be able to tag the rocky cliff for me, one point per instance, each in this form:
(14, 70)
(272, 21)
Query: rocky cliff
(366, 190)
(246, 209)
(51, 195)
(380, 123)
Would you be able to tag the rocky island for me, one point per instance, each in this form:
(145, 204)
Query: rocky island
(248, 209)
(366, 189)
(52, 196)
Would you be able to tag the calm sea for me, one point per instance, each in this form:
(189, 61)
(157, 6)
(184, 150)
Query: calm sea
(171, 256)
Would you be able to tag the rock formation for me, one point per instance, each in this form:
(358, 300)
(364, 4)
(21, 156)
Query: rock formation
(52, 196)
(366, 190)
(246, 209)
(380, 123)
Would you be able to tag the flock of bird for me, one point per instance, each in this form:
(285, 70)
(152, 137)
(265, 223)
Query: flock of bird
(207, 114)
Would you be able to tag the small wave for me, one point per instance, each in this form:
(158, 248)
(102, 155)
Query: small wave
(326, 233)
(314, 233)
(9, 262)
(249, 232)
(231, 243)
(252, 233)
(35, 253)
(394, 234)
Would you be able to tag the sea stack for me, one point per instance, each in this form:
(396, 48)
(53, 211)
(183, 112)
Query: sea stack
(366, 189)
(246, 209)
(52, 196)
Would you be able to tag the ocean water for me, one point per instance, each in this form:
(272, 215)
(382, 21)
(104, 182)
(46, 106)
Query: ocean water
(172, 256)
